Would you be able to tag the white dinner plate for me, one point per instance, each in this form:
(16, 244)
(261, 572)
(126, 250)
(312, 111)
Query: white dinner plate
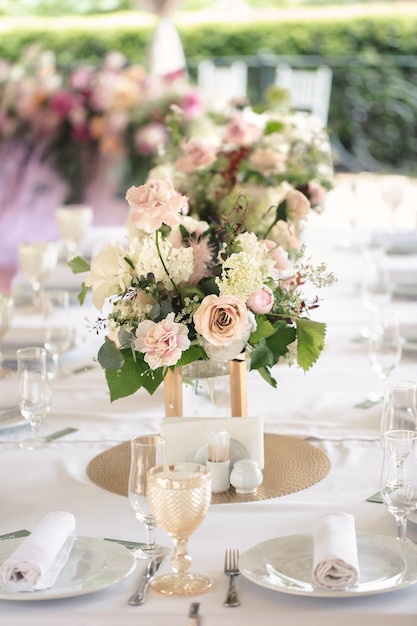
(11, 420)
(92, 565)
(285, 564)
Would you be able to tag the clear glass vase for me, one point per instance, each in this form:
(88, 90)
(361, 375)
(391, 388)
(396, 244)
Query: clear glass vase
(207, 389)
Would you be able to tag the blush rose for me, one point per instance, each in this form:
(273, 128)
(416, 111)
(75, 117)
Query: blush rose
(261, 301)
(221, 319)
(154, 204)
(162, 343)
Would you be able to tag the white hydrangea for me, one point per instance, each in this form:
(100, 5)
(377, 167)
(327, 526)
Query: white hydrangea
(246, 271)
(109, 274)
(179, 262)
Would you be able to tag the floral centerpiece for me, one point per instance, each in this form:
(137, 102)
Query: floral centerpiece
(181, 290)
(280, 163)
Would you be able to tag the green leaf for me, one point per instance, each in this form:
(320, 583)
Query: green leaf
(266, 375)
(79, 265)
(261, 356)
(134, 374)
(84, 291)
(281, 339)
(311, 337)
(264, 328)
(109, 356)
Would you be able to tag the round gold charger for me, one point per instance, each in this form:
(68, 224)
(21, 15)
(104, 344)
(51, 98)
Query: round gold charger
(291, 465)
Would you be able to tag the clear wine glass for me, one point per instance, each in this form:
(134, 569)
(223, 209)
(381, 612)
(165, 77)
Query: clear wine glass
(376, 285)
(73, 221)
(146, 452)
(399, 477)
(392, 190)
(37, 260)
(58, 330)
(180, 496)
(34, 392)
(399, 409)
(384, 346)
(6, 312)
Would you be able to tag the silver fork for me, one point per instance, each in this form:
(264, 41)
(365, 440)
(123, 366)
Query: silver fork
(231, 568)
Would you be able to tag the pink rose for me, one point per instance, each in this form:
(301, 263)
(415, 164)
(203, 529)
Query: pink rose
(277, 254)
(316, 193)
(197, 155)
(162, 343)
(154, 204)
(298, 205)
(192, 104)
(150, 138)
(261, 301)
(267, 161)
(242, 132)
(221, 319)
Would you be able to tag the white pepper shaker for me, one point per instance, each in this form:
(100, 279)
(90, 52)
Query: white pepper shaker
(246, 476)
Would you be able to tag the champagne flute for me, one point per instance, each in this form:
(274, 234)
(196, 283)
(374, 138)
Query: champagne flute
(180, 496)
(399, 409)
(58, 331)
(399, 477)
(34, 392)
(146, 452)
(37, 260)
(385, 345)
(6, 312)
(73, 221)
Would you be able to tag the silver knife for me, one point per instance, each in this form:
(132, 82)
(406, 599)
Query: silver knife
(139, 596)
(193, 614)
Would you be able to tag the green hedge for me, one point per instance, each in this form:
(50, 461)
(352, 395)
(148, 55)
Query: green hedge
(88, 38)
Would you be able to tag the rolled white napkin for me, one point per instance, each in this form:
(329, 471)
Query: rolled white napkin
(38, 560)
(335, 551)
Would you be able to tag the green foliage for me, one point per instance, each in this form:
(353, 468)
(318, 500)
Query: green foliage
(310, 337)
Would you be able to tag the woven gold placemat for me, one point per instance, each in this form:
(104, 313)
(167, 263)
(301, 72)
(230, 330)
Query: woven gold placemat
(291, 465)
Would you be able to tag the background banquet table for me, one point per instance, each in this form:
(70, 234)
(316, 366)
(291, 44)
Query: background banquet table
(317, 406)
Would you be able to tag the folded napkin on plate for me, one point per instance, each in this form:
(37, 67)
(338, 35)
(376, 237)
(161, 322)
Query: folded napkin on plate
(335, 552)
(38, 560)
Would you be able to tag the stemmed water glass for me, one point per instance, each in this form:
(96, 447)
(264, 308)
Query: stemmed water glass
(37, 260)
(399, 477)
(73, 221)
(146, 452)
(58, 330)
(385, 345)
(399, 409)
(180, 496)
(33, 391)
(6, 312)
(376, 286)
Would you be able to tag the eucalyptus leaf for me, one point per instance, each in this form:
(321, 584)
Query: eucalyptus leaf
(109, 356)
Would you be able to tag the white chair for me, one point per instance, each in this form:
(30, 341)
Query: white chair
(309, 89)
(220, 85)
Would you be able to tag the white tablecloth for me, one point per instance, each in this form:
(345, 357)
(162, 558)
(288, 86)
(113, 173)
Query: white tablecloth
(318, 406)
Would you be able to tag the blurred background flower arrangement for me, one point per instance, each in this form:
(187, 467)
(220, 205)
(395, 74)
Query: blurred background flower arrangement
(180, 289)
(84, 122)
(279, 163)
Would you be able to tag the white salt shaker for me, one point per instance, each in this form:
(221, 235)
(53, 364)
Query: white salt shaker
(246, 476)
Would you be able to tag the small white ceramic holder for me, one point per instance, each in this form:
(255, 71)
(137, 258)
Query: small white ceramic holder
(219, 475)
(246, 476)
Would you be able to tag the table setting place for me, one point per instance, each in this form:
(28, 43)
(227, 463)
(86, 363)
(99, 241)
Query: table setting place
(300, 510)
